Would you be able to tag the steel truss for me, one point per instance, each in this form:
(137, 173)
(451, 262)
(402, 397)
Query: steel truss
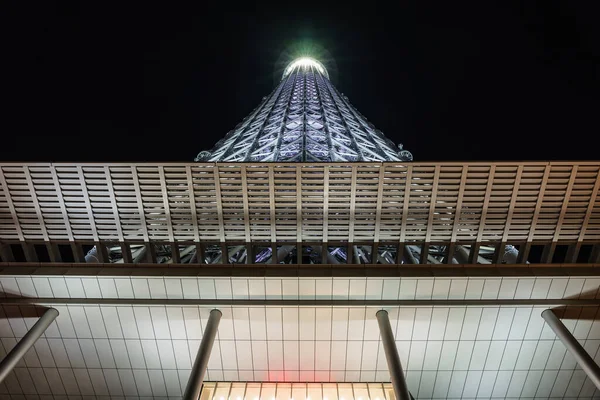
(305, 119)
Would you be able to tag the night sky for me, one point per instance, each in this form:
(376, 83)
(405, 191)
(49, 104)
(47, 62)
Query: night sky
(160, 83)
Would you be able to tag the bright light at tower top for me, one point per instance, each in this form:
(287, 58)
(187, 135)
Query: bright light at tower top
(305, 62)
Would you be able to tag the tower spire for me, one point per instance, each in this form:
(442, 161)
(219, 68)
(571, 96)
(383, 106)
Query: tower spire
(305, 119)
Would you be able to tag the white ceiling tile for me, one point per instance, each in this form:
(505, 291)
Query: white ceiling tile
(239, 288)
(104, 353)
(128, 322)
(241, 323)
(124, 288)
(526, 354)
(441, 288)
(341, 288)
(206, 287)
(584, 324)
(371, 331)
(26, 287)
(167, 356)
(426, 384)
(10, 286)
(439, 318)
(559, 386)
(42, 287)
(91, 288)
(191, 318)
(354, 350)
(338, 355)
(291, 360)
(589, 290)
(306, 318)
(142, 382)
(26, 383)
(487, 323)
(524, 288)
(323, 352)
(557, 288)
(357, 289)
(232, 375)
(503, 323)
(135, 353)
(144, 322)
(495, 354)
(42, 348)
(141, 290)
(422, 323)
(259, 355)
(119, 351)
(546, 383)
(454, 324)
(150, 351)
(111, 321)
(244, 354)
(575, 385)
(458, 288)
(491, 288)
(307, 355)
(246, 375)
(157, 383)
(405, 323)
(84, 382)
(535, 325)
(258, 328)
(157, 288)
(391, 288)
(472, 384)
(128, 382)
(173, 288)
(176, 322)
(479, 355)
(31, 360)
(108, 288)
(382, 376)
(356, 323)
(424, 289)
(289, 287)
(531, 383)
(98, 382)
(417, 355)
(374, 289)
(486, 385)
(323, 288)
(474, 289)
(172, 383)
(12, 384)
(275, 355)
(182, 354)
(56, 385)
(519, 324)
(73, 352)
(39, 381)
(413, 379)
(463, 356)
(290, 323)
(158, 318)
(508, 288)
(448, 355)
(58, 285)
(215, 375)
(307, 288)
(501, 383)
(574, 287)
(442, 384)
(113, 382)
(225, 331)
(274, 323)
(190, 289)
(80, 322)
(511, 352)
(432, 355)
(96, 322)
(339, 325)
(403, 347)
(323, 316)
(273, 289)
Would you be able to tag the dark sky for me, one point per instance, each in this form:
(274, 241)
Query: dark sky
(160, 83)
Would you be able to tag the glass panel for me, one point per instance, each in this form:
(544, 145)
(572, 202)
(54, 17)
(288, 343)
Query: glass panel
(268, 391)
(222, 391)
(299, 391)
(238, 390)
(253, 391)
(315, 391)
(345, 391)
(330, 391)
(284, 391)
(296, 391)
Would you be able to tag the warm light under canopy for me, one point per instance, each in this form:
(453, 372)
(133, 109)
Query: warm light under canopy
(305, 62)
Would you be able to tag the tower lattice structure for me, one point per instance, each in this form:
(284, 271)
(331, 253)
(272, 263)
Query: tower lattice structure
(305, 119)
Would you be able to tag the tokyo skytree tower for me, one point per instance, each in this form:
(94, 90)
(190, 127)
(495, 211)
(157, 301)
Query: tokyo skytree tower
(305, 119)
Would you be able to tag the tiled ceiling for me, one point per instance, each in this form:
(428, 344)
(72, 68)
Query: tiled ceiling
(139, 351)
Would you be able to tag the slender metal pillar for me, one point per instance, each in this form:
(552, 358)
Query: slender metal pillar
(392, 357)
(194, 385)
(17, 352)
(585, 361)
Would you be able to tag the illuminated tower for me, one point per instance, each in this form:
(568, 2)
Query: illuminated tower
(305, 118)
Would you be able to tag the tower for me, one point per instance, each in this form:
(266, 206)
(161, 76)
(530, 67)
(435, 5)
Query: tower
(305, 118)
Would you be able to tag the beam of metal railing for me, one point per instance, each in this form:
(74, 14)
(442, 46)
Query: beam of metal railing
(17, 352)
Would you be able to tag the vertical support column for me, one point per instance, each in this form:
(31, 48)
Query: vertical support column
(194, 385)
(17, 352)
(392, 357)
(585, 361)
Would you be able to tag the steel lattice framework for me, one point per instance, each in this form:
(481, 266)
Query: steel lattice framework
(305, 119)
